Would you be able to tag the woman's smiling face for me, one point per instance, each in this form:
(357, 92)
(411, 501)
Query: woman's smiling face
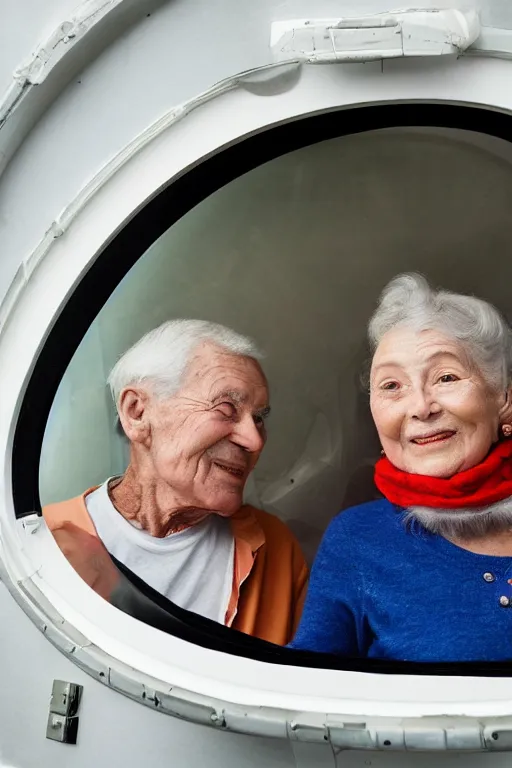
(434, 411)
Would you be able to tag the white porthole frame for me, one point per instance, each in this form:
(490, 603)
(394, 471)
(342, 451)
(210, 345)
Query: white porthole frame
(227, 691)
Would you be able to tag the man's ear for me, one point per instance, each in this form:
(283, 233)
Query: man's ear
(505, 414)
(133, 414)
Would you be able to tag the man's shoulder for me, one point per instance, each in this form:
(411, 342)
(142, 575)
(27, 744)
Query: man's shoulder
(271, 536)
(273, 527)
(278, 552)
(72, 510)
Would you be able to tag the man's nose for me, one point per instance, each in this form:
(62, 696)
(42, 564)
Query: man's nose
(422, 404)
(248, 436)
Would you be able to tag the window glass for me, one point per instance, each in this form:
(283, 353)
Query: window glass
(295, 254)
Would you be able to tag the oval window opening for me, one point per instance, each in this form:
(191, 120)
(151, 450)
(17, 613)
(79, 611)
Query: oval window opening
(289, 238)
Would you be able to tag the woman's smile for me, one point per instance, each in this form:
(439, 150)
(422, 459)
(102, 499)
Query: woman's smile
(434, 438)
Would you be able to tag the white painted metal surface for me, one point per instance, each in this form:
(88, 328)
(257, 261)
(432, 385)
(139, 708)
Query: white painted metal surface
(118, 126)
(370, 38)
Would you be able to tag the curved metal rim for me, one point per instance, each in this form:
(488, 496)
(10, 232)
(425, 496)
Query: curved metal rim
(434, 734)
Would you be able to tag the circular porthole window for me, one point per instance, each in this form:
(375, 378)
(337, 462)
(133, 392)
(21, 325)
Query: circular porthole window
(287, 235)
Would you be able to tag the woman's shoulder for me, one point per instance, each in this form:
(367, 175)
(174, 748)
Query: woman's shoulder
(357, 537)
(371, 518)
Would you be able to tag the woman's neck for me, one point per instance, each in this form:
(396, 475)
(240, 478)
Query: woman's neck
(152, 505)
(498, 544)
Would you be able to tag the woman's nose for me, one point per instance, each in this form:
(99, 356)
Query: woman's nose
(422, 405)
(248, 436)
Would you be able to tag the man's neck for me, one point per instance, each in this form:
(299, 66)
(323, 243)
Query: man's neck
(152, 505)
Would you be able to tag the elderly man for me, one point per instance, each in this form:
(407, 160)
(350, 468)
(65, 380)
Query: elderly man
(192, 400)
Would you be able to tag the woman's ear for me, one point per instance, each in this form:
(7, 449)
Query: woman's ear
(133, 414)
(505, 414)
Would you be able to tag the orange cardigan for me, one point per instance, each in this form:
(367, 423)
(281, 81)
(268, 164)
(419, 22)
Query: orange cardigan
(270, 574)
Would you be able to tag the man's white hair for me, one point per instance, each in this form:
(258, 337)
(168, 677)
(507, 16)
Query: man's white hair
(408, 300)
(161, 356)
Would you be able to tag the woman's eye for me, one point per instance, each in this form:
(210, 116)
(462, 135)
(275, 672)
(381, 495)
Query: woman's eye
(390, 386)
(446, 378)
(227, 409)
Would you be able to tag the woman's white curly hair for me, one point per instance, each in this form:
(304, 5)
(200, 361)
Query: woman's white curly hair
(408, 300)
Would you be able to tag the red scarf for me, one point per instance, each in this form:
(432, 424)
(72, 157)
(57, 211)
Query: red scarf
(488, 482)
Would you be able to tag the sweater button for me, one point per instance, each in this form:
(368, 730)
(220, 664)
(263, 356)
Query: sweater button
(489, 577)
(504, 601)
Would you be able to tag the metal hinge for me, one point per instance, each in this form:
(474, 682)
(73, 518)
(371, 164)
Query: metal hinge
(63, 720)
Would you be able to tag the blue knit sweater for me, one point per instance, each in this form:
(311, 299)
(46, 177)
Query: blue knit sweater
(383, 589)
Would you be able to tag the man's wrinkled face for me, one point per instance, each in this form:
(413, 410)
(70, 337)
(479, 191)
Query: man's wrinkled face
(206, 439)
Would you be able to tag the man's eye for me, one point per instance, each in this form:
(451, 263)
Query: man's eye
(446, 378)
(260, 418)
(227, 409)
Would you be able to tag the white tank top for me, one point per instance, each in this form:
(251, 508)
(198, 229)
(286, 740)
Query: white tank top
(193, 568)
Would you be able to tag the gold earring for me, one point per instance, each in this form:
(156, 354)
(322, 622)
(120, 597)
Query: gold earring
(507, 430)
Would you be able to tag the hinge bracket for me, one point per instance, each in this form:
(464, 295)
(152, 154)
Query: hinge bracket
(63, 718)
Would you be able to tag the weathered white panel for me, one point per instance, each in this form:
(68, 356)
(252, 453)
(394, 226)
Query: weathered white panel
(151, 68)
(24, 23)
(113, 730)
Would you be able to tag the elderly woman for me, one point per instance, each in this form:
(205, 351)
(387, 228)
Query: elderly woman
(425, 573)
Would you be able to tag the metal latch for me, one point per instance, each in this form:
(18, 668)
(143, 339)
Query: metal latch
(63, 720)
